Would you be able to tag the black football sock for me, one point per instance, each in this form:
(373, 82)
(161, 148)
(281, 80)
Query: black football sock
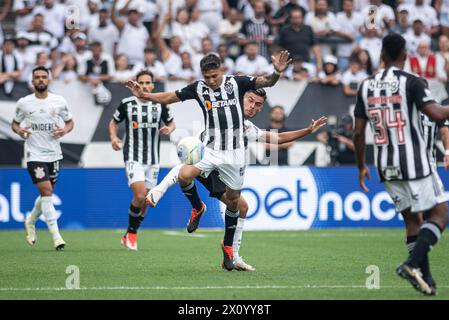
(425, 268)
(134, 221)
(192, 194)
(231, 219)
(427, 238)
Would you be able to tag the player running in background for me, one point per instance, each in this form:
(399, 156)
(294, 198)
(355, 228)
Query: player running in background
(41, 119)
(391, 101)
(221, 100)
(141, 149)
(252, 104)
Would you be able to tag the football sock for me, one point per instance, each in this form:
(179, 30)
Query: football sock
(170, 179)
(238, 237)
(231, 218)
(428, 236)
(134, 221)
(37, 210)
(192, 194)
(49, 213)
(425, 268)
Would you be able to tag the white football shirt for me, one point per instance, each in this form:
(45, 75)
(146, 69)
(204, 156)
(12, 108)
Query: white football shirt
(41, 116)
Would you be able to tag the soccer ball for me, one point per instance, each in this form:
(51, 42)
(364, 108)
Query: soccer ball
(190, 150)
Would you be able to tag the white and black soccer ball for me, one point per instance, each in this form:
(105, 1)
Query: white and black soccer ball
(190, 150)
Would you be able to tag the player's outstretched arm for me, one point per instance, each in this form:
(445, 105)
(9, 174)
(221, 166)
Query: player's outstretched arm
(290, 136)
(359, 144)
(160, 97)
(436, 112)
(280, 64)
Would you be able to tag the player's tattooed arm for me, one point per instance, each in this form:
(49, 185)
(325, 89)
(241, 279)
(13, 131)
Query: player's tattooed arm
(359, 144)
(23, 132)
(280, 64)
(290, 136)
(160, 97)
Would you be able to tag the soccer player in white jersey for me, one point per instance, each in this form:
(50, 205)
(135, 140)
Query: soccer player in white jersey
(392, 101)
(141, 149)
(42, 118)
(221, 100)
(252, 103)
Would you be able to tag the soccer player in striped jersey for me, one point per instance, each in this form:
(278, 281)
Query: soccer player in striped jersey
(392, 102)
(143, 123)
(252, 104)
(221, 100)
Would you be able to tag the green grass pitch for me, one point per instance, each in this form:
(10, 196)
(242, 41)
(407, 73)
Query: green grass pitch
(171, 264)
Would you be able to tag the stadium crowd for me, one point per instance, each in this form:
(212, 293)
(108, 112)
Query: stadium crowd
(331, 42)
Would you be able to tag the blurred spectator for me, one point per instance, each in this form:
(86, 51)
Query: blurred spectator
(430, 67)
(150, 17)
(104, 32)
(97, 69)
(338, 142)
(403, 25)
(123, 70)
(227, 63)
(384, 18)
(330, 74)
(364, 58)
(134, 37)
(443, 51)
(41, 39)
(277, 122)
(372, 42)
(66, 45)
(23, 11)
(206, 48)
(211, 13)
(299, 38)
(186, 72)
(300, 70)
(67, 69)
(90, 20)
(123, 6)
(415, 35)
(54, 16)
(155, 66)
(425, 13)
(42, 59)
(281, 16)
(27, 55)
(348, 24)
(3, 13)
(258, 29)
(10, 66)
(165, 7)
(252, 63)
(181, 29)
(229, 30)
(323, 24)
(82, 52)
(352, 77)
(442, 8)
(198, 29)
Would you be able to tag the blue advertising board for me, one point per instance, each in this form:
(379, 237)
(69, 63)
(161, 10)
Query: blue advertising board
(295, 198)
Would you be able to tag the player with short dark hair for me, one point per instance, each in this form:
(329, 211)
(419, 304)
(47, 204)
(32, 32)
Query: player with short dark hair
(252, 104)
(392, 101)
(221, 100)
(42, 118)
(141, 149)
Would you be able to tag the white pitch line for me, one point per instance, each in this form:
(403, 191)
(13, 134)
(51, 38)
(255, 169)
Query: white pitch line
(183, 234)
(204, 288)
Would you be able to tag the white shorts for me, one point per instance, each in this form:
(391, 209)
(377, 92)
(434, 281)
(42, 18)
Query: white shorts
(418, 195)
(137, 172)
(230, 165)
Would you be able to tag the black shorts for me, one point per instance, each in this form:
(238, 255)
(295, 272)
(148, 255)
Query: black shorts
(213, 184)
(43, 171)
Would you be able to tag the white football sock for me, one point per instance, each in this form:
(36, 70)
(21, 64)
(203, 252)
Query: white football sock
(238, 238)
(49, 212)
(37, 211)
(170, 179)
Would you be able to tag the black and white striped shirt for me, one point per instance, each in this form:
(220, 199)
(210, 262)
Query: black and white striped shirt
(391, 101)
(222, 110)
(430, 132)
(143, 120)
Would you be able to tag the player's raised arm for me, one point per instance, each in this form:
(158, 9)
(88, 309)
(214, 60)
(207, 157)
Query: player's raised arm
(290, 136)
(160, 97)
(280, 64)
